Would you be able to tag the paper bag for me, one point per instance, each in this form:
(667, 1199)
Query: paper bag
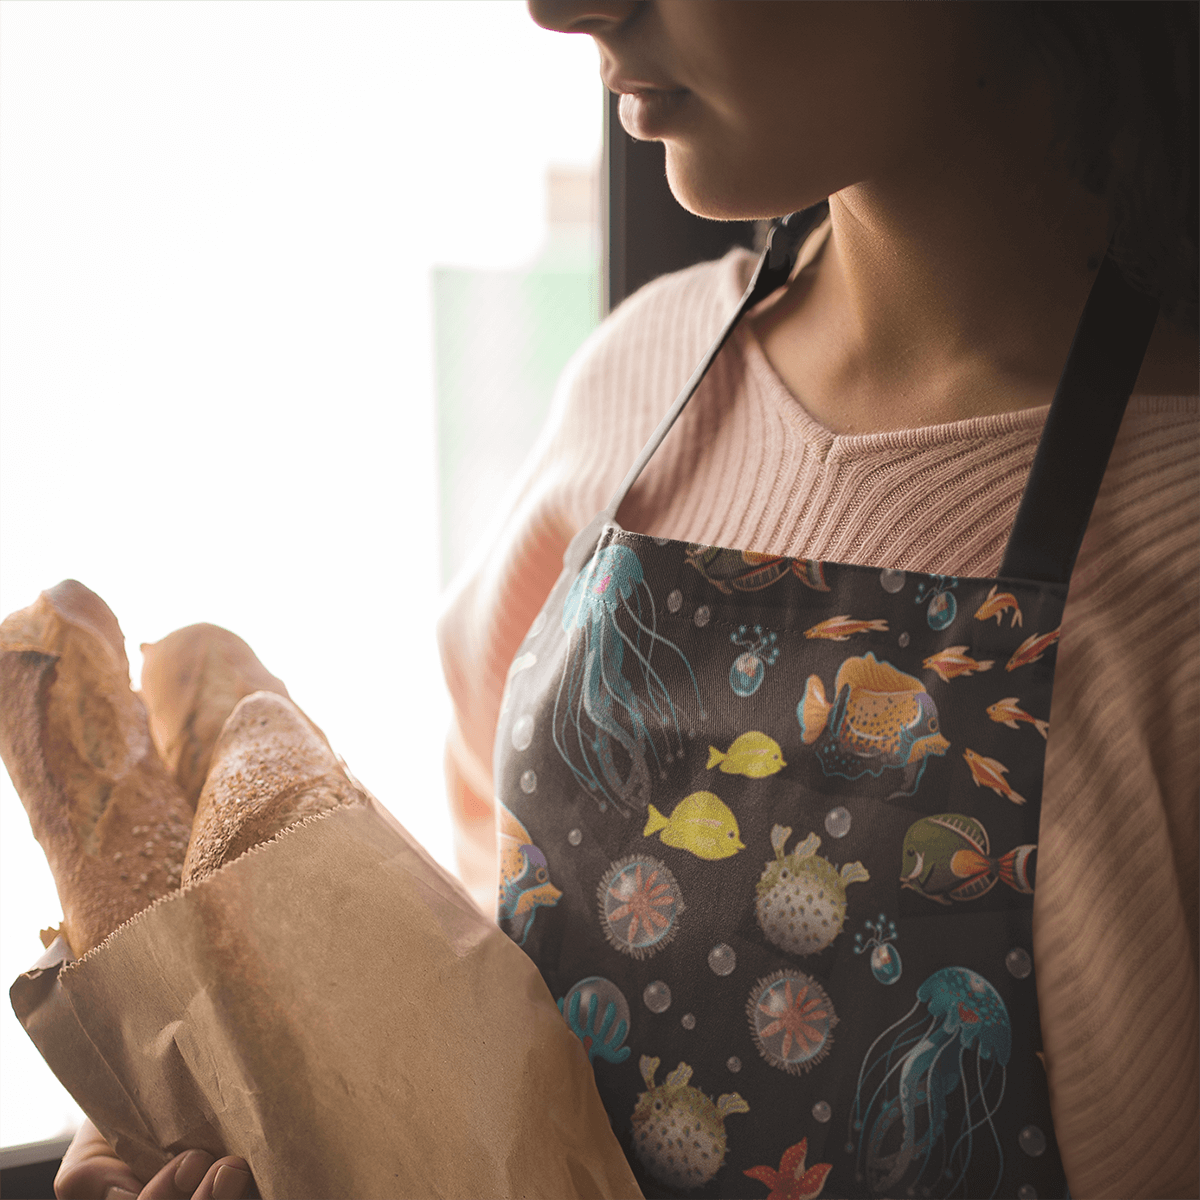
(333, 1008)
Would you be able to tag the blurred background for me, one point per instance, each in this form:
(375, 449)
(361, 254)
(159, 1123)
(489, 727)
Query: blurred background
(284, 289)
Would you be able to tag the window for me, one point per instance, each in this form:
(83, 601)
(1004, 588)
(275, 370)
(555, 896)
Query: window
(224, 227)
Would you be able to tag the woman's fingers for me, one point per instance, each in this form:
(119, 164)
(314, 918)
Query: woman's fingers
(90, 1170)
(195, 1175)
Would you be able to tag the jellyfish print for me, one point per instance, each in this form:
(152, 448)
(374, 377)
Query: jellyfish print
(758, 652)
(928, 1089)
(941, 607)
(614, 717)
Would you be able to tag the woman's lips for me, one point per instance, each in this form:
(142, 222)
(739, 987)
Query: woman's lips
(649, 114)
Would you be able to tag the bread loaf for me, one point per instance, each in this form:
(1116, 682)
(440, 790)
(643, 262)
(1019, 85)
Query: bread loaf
(76, 740)
(270, 769)
(191, 681)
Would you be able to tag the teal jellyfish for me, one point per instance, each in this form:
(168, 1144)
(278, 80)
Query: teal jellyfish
(758, 652)
(922, 1102)
(608, 724)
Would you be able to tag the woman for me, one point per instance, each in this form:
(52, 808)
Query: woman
(883, 409)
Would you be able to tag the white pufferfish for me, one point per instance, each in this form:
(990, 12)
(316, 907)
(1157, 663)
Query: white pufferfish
(802, 896)
(678, 1132)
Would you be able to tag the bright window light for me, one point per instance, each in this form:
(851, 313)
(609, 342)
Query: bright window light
(220, 230)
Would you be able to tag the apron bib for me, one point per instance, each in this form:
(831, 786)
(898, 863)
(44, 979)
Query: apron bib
(769, 829)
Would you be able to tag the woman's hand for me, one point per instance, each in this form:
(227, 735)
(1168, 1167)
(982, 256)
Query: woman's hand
(91, 1171)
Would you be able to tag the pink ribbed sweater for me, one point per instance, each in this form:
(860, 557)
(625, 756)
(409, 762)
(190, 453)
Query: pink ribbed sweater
(1115, 910)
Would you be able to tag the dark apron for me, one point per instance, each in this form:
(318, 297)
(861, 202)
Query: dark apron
(769, 826)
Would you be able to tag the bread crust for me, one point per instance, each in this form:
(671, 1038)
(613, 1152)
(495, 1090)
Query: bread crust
(191, 681)
(76, 741)
(270, 769)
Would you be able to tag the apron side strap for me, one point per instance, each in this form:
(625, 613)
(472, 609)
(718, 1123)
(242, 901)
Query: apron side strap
(1081, 428)
(774, 267)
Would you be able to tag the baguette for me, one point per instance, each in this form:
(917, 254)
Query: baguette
(191, 681)
(271, 768)
(76, 741)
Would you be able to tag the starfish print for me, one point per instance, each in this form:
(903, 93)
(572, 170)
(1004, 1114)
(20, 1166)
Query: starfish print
(792, 1181)
(795, 1020)
(641, 902)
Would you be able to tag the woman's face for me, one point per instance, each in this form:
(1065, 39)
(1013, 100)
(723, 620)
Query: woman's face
(767, 106)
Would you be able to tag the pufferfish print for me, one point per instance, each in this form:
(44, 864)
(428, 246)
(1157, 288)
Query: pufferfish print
(879, 720)
(802, 896)
(678, 1132)
(524, 879)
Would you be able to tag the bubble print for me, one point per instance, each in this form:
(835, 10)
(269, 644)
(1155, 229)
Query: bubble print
(837, 822)
(675, 601)
(1025, 1192)
(891, 581)
(734, 1064)
(904, 639)
(821, 1111)
(1019, 963)
(722, 960)
(1032, 1140)
(688, 1021)
(522, 732)
(702, 617)
(529, 782)
(575, 837)
(657, 996)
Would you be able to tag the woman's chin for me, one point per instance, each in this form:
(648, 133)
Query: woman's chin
(721, 190)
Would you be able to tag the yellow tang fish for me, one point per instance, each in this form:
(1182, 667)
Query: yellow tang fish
(752, 754)
(701, 824)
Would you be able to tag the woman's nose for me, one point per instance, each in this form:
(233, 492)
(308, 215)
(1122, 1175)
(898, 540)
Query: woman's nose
(582, 16)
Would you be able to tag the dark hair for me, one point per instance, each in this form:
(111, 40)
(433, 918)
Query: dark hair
(1125, 78)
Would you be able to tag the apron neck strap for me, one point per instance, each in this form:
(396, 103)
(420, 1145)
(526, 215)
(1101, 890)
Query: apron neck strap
(1081, 428)
(774, 267)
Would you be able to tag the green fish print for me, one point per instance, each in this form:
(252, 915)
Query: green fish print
(752, 754)
(701, 824)
(879, 720)
(802, 896)
(947, 857)
(678, 1132)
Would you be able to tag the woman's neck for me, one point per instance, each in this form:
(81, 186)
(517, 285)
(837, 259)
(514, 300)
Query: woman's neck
(950, 287)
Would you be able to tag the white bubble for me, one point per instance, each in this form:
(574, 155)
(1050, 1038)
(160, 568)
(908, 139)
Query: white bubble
(722, 959)
(522, 732)
(734, 1063)
(891, 581)
(1019, 963)
(675, 600)
(1032, 1140)
(688, 1021)
(529, 782)
(657, 996)
(660, 541)
(837, 822)
(821, 1111)
(539, 623)
(575, 837)
(1026, 1192)
(702, 615)
(903, 639)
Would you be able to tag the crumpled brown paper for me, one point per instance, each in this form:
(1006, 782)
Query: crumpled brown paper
(333, 1008)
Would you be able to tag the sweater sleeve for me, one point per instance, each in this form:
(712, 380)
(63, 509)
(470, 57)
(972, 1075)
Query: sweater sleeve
(608, 402)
